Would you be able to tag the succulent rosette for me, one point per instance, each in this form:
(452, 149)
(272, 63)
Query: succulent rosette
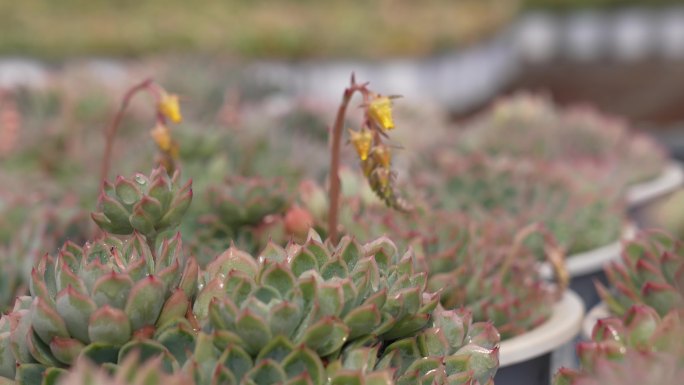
(317, 314)
(651, 272)
(485, 268)
(245, 210)
(148, 205)
(245, 202)
(580, 216)
(638, 348)
(101, 301)
(488, 265)
(38, 228)
(531, 126)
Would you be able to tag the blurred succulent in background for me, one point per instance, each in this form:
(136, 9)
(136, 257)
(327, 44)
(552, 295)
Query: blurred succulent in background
(246, 211)
(244, 202)
(651, 272)
(488, 265)
(580, 215)
(638, 348)
(489, 270)
(100, 301)
(30, 229)
(348, 314)
(527, 126)
(129, 372)
(148, 205)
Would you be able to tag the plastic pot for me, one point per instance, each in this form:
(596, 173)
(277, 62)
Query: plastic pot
(526, 359)
(669, 180)
(596, 313)
(586, 268)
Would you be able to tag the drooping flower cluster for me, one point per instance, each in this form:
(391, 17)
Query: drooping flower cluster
(374, 153)
(168, 107)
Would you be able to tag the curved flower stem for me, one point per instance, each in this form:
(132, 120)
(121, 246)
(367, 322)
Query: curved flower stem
(110, 133)
(334, 192)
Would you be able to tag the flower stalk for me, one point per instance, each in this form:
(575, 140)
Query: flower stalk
(167, 107)
(375, 156)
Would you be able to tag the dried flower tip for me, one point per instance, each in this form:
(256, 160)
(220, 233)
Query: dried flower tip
(383, 177)
(368, 166)
(362, 141)
(162, 136)
(169, 107)
(382, 154)
(380, 110)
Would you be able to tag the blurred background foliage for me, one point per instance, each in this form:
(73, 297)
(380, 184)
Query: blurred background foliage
(247, 28)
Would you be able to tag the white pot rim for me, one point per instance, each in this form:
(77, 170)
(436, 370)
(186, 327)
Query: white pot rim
(596, 313)
(563, 325)
(593, 260)
(669, 180)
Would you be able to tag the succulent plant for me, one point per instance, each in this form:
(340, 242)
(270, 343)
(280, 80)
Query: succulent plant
(242, 202)
(129, 372)
(23, 250)
(484, 267)
(651, 273)
(639, 348)
(100, 301)
(148, 205)
(247, 211)
(354, 311)
(37, 228)
(485, 264)
(527, 126)
(581, 217)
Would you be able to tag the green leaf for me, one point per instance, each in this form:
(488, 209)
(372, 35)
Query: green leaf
(127, 191)
(325, 336)
(66, 350)
(253, 331)
(109, 326)
(145, 302)
(112, 290)
(100, 353)
(303, 360)
(266, 373)
(75, 309)
(279, 277)
(284, 318)
(276, 350)
(46, 322)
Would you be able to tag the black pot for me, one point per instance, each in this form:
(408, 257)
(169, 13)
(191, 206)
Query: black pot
(536, 371)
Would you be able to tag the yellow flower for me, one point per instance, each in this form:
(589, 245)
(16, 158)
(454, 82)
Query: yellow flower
(362, 141)
(380, 110)
(168, 106)
(382, 155)
(162, 136)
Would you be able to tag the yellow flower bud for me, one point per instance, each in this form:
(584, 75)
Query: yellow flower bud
(168, 106)
(162, 136)
(362, 141)
(382, 155)
(380, 110)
